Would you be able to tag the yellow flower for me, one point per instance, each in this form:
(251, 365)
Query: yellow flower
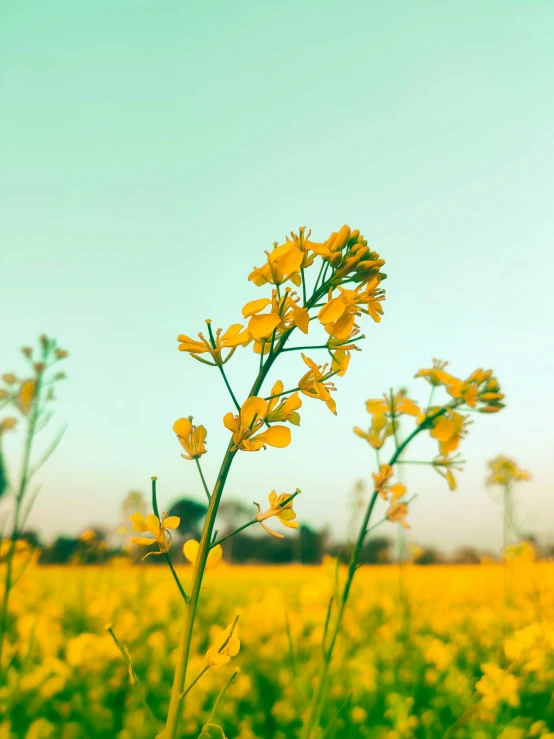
(281, 509)
(398, 512)
(7, 424)
(283, 315)
(190, 550)
(232, 338)
(392, 406)
(338, 314)
(436, 374)
(448, 430)
(314, 383)
(246, 427)
(158, 528)
(26, 395)
(505, 471)
(88, 536)
(380, 483)
(224, 646)
(335, 244)
(445, 466)
(191, 438)
(340, 361)
(283, 409)
(378, 432)
(283, 264)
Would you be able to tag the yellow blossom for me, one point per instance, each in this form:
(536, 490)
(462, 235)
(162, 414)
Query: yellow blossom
(504, 471)
(7, 424)
(283, 409)
(315, 383)
(436, 374)
(379, 430)
(380, 483)
(246, 427)
(338, 314)
(225, 645)
(190, 550)
(232, 338)
(398, 512)
(284, 313)
(192, 438)
(392, 406)
(26, 395)
(448, 430)
(281, 510)
(159, 529)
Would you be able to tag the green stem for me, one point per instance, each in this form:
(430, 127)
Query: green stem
(176, 699)
(166, 554)
(316, 705)
(220, 697)
(226, 381)
(25, 474)
(206, 489)
(132, 674)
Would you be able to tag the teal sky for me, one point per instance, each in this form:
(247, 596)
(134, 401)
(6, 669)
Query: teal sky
(151, 151)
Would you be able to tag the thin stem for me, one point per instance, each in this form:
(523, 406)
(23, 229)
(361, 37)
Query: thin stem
(316, 705)
(232, 394)
(251, 522)
(206, 489)
(193, 683)
(303, 285)
(132, 674)
(220, 696)
(24, 479)
(166, 554)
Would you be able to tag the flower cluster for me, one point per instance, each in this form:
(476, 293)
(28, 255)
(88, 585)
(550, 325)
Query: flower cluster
(446, 424)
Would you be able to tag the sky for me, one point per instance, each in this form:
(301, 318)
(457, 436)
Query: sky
(151, 150)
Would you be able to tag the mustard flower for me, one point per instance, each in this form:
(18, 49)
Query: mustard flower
(338, 314)
(190, 550)
(159, 529)
(315, 383)
(246, 427)
(392, 406)
(380, 483)
(504, 471)
(283, 409)
(26, 395)
(229, 340)
(435, 375)
(284, 314)
(7, 424)
(192, 438)
(398, 512)
(225, 645)
(448, 430)
(378, 432)
(281, 510)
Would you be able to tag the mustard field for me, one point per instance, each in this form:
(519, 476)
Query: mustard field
(425, 652)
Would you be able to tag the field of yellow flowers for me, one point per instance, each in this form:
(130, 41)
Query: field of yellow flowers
(425, 652)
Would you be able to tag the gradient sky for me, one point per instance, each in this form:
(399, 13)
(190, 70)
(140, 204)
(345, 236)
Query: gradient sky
(151, 150)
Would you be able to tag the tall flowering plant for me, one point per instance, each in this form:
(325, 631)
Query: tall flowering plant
(30, 399)
(447, 423)
(323, 288)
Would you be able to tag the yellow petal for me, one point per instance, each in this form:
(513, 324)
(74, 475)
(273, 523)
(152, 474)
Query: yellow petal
(214, 557)
(253, 408)
(255, 306)
(139, 522)
(302, 319)
(153, 524)
(263, 326)
(190, 550)
(332, 310)
(182, 427)
(142, 541)
(277, 436)
(172, 522)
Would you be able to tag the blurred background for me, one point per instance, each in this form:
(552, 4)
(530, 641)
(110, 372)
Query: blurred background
(151, 152)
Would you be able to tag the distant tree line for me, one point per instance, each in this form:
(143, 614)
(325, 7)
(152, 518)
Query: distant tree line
(305, 546)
